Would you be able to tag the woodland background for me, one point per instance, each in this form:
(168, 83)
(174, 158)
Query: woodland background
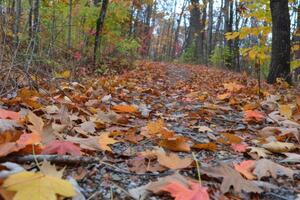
(50, 36)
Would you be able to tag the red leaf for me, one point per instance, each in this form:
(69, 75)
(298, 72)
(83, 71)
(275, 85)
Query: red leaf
(62, 148)
(240, 148)
(6, 114)
(180, 192)
(254, 116)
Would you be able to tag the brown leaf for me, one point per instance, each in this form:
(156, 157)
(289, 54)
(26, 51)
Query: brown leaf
(266, 168)
(176, 144)
(231, 178)
(172, 160)
(208, 146)
(279, 147)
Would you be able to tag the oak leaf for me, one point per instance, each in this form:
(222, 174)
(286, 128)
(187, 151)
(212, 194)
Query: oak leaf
(62, 148)
(37, 186)
(266, 168)
(231, 178)
(37, 122)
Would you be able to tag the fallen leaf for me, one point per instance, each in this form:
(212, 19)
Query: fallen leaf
(291, 158)
(125, 109)
(172, 160)
(254, 116)
(62, 148)
(230, 178)
(229, 138)
(105, 140)
(37, 122)
(239, 148)
(29, 139)
(6, 125)
(208, 146)
(286, 110)
(266, 168)
(37, 186)
(181, 192)
(261, 152)
(10, 147)
(245, 168)
(64, 74)
(279, 147)
(179, 144)
(7, 114)
(233, 87)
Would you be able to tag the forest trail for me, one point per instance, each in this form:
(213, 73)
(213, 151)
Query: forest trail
(145, 124)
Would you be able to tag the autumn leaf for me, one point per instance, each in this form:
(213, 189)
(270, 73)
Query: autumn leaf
(6, 125)
(245, 168)
(260, 152)
(64, 74)
(207, 146)
(29, 139)
(105, 140)
(125, 109)
(286, 110)
(62, 148)
(172, 160)
(176, 144)
(37, 122)
(254, 116)
(279, 147)
(266, 168)
(233, 87)
(239, 148)
(230, 178)
(181, 192)
(6, 114)
(37, 186)
(229, 138)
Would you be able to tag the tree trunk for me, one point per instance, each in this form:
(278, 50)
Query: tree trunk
(296, 37)
(281, 47)
(70, 23)
(18, 11)
(36, 24)
(30, 19)
(99, 28)
(210, 27)
(228, 21)
(202, 56)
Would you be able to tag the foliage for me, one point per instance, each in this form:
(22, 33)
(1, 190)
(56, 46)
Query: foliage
(220, 56)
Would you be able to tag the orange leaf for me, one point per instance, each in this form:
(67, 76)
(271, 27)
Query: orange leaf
(105, 140)
(208, 146)
(181, 192)
(245, 168)
(7, 114)
(125, 109)
(229, 138)
(176, 144)
(254, 116)
(172, 160)
(28, 139)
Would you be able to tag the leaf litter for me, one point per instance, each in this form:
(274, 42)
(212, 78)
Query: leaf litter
(161, 131)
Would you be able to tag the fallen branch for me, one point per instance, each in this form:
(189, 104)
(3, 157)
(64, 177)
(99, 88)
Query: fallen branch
(59, 159)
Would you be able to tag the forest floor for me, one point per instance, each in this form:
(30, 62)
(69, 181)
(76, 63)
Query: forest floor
(160, 129)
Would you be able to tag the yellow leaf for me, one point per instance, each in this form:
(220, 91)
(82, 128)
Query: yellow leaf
(286, 111)
(37, 186)
(125, 109)
(105, 140)
(64, 74)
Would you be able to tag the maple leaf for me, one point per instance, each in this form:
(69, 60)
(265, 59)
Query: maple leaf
(62, 148)
(245, 168)
(266, 168)
(172, 160)
(231, 178)
(37, 122)
(181, 192)
(37, 186)
(105, 140)
(261, 152)
(7, 114)
(125, 109)
(254, 116)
